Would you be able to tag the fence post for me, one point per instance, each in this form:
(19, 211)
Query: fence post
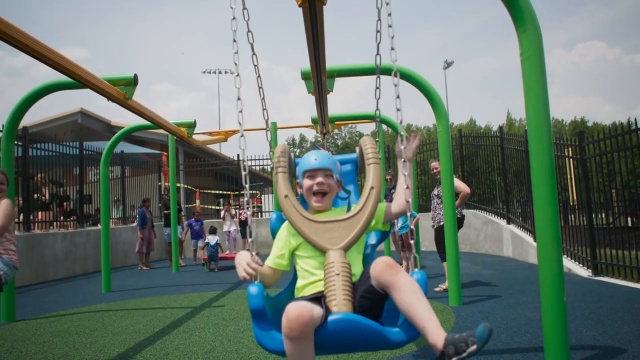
(586, 190)
(461, 154)
(123, 188)
(27, 196)
(81, 180)
(505, 183)
(529, 202)
(387, 153)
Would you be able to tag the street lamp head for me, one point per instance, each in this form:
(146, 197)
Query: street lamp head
(447, 64)
(218, 71)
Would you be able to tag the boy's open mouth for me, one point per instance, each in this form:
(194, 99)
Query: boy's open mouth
(319, 195)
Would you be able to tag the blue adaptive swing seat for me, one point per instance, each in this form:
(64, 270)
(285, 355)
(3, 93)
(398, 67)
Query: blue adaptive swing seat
(342, 332)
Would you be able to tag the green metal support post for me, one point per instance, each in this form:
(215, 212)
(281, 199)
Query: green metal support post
(555, 329)
(126, 83)
(173, 198)
(105, 193)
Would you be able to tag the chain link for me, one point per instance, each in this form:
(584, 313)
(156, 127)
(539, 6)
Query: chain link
(398, 102)
(378, 61)
(244, 165)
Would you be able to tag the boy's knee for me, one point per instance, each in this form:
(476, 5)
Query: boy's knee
(300, 319)
(383, 268)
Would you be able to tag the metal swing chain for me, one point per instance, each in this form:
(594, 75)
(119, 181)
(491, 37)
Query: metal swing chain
(256, 68)
(265, 113)
(239, 106)
(378, 61)
(402, 136)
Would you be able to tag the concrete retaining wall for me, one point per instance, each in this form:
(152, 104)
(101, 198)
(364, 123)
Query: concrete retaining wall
(60, 254)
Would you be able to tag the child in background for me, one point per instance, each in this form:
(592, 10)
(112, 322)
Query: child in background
(243, 222)
(8, 253)
(229, 227)
(213, 245)
(404, 232)
(196, 227)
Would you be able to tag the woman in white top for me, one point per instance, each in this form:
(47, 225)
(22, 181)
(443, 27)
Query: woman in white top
(229, 226)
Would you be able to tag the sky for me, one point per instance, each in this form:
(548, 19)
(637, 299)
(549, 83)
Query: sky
(591, 49)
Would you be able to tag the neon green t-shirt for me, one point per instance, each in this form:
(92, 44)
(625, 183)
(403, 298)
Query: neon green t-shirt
(309, 261)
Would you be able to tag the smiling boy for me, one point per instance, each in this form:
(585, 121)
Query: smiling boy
(318, 181)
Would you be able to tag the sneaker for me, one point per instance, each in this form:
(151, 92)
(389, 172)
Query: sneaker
(462, 346)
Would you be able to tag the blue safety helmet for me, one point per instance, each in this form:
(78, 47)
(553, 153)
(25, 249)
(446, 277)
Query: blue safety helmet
(318, 159)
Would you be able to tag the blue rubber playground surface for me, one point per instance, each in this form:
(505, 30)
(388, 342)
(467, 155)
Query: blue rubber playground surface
(604, 318)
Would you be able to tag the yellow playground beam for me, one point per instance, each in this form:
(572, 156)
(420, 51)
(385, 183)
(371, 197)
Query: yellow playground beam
(29, 45)
(218, 136)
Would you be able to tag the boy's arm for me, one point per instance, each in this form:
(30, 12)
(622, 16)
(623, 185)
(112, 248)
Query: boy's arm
(269, 276)
(398, 206)
(463, 191)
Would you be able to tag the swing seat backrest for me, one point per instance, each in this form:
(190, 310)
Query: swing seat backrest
(342, 332)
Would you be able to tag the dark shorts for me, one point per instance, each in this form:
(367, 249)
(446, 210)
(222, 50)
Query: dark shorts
(213, 257)
(368, 301)
(243, 233)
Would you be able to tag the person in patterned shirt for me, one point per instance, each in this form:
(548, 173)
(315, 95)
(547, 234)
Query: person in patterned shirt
(437, 218)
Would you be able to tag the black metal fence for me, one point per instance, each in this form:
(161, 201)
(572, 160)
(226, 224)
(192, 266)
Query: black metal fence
(598, 186)
(211, 183)
(58, 184)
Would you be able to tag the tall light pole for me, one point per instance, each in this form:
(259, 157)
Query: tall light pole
(219, 72)
(447, 64)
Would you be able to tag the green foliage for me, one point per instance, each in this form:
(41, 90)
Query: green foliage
(341, 141)
(299, 145)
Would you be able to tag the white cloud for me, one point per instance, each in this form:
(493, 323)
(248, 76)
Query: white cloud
(595, 80)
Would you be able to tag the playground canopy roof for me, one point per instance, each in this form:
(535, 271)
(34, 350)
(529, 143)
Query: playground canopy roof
(83, 125)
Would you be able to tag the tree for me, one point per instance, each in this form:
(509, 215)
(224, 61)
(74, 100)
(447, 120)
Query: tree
(298, 146)
(341, 141)
(513, 125)
(559, 127)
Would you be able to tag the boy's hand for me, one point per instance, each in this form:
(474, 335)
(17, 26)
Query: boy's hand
(247, 265)
(412, 144)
